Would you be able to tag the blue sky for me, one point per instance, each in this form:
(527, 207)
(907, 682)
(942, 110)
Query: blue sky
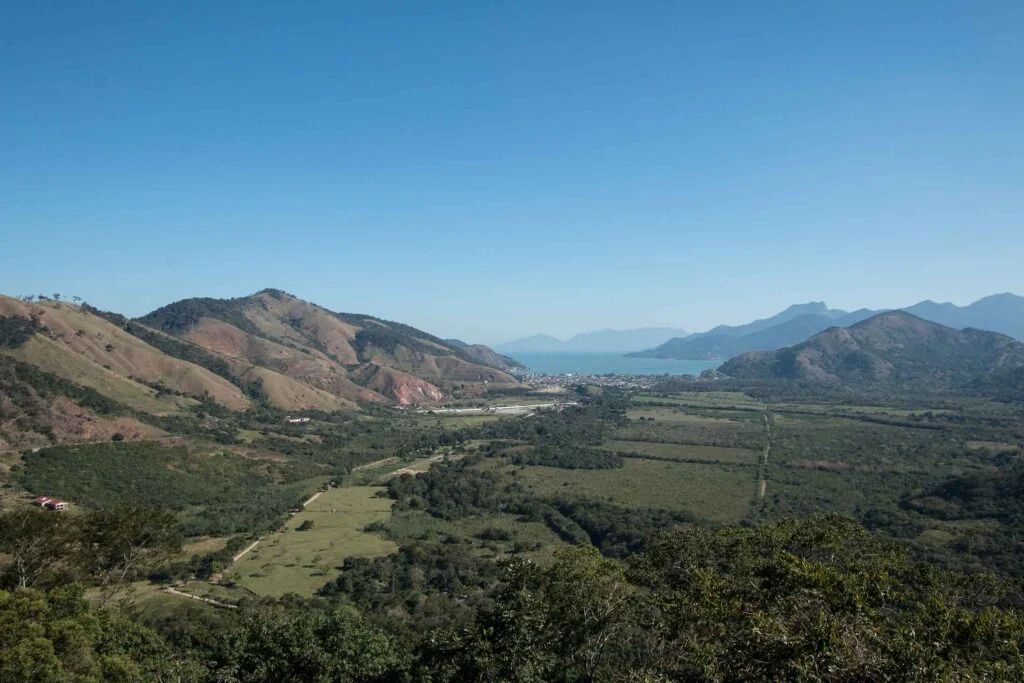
(490, 170)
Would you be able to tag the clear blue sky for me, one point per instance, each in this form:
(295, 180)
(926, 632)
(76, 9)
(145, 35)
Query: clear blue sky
(489, 170)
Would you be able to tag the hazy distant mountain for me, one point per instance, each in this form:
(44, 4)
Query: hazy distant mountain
(537, 342)
(609, 341)
(892, 349)
(1002, 313)
(817, 308)
(792, 331)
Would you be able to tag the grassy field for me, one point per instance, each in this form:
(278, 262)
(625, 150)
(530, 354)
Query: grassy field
(718, 493)
(534, 539)
(674, 415)
(673, 451)
(292, 561)
(706, 399)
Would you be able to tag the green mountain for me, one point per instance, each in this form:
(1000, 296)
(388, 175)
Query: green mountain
(894, 349)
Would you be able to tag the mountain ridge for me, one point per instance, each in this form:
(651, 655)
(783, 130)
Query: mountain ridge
(268, 347)
(893, 348)
(606, 340)
(1003, 313)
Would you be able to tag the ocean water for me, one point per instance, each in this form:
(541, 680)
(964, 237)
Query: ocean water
(610, 363)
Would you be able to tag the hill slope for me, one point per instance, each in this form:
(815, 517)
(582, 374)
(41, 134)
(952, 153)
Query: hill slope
(891, 349)
(280, 339)
(91, 351)
(485, 355)
(789, 332)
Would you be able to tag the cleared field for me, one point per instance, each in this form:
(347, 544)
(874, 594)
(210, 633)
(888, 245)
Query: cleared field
(529, 539)
(674, 451)
(993, 446)
(291, 561)
(708, 399)
(659, 414)
(718, 493)
(452, 421)
(206, 544)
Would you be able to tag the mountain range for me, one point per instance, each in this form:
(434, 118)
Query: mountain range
(599, 341)
(895, 349)
(1002, 313)
(268, 348)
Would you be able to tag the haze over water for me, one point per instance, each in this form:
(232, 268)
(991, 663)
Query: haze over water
(610, 363)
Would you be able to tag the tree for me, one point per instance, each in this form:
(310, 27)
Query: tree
(307, 646)
(38, 544)
(125, 544)
(55, 637)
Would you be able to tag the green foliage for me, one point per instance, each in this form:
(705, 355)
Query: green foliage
(568, 457)
(23, 384)
(573, 426)
(211, 494)
(172, 346)
(453, 489)
(618, 531)
(332, 646)
(99, 547)
(16, 331)
(387, 340)
(181, 316)
(814, 600)
(55, 637)
(384, 583)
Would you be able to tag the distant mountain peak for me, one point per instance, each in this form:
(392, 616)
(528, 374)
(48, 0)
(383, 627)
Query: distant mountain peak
(894, 348)
(605, 340)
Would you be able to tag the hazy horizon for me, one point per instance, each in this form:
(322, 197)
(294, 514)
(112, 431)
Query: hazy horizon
(488, 173)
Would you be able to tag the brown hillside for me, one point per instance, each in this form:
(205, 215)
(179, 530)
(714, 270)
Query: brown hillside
(403, 388)
(344, 355)
(89, 350)
(69, 422)
(289, 318)
(306, 366)
(292, 394)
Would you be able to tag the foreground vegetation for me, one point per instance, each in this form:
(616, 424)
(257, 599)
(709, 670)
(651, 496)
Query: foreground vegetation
(815, 599)
(674, 534)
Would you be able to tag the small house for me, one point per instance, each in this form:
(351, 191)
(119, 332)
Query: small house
(51, 503)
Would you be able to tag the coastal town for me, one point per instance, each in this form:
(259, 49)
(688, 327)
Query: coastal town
(561, 382)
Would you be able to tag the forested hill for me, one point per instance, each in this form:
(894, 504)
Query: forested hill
(892, 349)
